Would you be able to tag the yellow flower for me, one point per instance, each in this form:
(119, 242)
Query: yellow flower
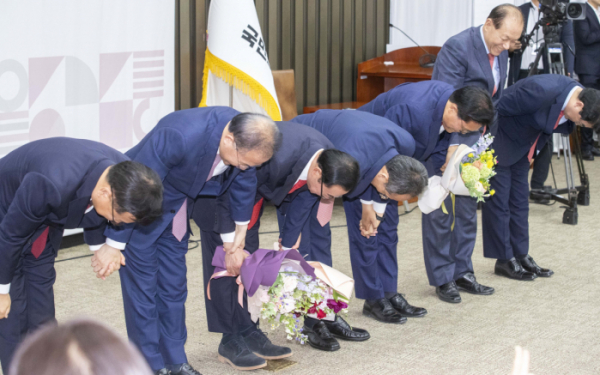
(466, 164)
(490, 164)
(470, 155)
(492, 192)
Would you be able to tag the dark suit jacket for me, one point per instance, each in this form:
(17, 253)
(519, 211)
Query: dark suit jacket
(529, 109)
(181, 149)
(278, 176)
(587, 44)
(566, 38)
(463, 61)
(49, 183)
(372, 140)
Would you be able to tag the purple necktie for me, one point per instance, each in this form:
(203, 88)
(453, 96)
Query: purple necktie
(180, 222)
(212, 170)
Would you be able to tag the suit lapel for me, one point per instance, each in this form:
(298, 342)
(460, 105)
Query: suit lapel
(482, 58)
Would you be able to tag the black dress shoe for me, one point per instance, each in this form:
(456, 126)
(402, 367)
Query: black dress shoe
(448, 292)
(239, 356)
(340, 329)
(587, 156)
(405, 309)
(185, 369)
(539, 196)
(469, 284)
(595, 151)
(320, 338)
(383, 311)
(530, 266)
(513, 270)
(259, 344)
(162, 371)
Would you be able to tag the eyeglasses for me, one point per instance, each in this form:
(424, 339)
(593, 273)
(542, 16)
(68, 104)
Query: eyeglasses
(237, 154)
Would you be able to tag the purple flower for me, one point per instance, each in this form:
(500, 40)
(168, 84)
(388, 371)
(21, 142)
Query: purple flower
(336, 306)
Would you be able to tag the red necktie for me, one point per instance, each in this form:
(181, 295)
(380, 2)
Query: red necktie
(491, 58)
(40, 243)
(532, 149)
(258, 205)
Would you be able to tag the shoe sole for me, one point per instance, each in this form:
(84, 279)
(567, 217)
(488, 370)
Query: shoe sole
(350, 339)
(449, 300)
(322, 349)
(250, 368)
(501, 273)
(272, 358)
(368, 314)
(411, 315)
(475, 293)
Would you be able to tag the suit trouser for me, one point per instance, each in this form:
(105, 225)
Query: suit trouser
(448, 252)
(541, 165)
(32, 297)
(315, 244)
(587, 134)
(374, 260)
(505, 215)
(154, 287)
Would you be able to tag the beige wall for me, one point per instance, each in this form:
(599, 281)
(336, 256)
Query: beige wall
(322, 40)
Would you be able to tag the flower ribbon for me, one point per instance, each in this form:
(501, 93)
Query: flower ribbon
(444, 210)
(238, 280)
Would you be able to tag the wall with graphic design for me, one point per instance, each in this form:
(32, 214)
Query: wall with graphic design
(100, 70)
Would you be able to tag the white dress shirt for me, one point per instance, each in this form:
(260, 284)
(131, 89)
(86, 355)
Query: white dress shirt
(596, 11)
(496, 69)
(530, 52)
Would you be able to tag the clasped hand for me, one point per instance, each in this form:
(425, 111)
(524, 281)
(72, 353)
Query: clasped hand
(369, 223)
(107, 260)
(4, 305)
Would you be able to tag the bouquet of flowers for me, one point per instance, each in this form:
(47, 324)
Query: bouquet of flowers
(478, 167)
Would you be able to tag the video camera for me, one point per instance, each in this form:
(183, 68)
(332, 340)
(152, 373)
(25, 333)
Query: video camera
(555, 14)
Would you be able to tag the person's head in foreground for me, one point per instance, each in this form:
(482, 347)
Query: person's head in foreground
(128, 192)
(79, 347)
(502, 28)
(249, 140)
(468, 109)
(402, 178)
(332, 174)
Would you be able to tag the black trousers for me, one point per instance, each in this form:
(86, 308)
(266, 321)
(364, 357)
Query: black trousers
(587, 134)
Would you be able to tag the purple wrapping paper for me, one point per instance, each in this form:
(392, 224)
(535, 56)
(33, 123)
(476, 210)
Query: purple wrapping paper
(261, 267)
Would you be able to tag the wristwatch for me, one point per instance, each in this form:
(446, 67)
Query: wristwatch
(380, 218)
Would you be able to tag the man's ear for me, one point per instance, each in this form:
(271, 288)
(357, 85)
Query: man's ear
(105, 193)
(229, 140)
(579, 105)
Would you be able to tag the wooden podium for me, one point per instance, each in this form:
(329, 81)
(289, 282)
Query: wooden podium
(375, 77)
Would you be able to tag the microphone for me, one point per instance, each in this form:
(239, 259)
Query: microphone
(425, 61)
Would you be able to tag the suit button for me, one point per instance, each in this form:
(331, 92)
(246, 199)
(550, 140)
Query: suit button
(172, 211)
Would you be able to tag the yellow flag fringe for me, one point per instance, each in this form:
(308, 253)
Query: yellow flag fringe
(241, 81)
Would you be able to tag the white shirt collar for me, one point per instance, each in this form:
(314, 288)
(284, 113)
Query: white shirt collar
(304, 174)
(487, 51)
(564, 119)
(90, 207)
(441, 129)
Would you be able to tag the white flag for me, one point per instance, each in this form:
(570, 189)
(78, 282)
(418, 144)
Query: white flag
(236, 65)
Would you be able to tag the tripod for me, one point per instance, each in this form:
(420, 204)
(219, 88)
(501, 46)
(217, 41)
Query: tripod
(572, 195)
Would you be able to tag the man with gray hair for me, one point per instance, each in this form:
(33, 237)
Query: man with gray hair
(196, 152)
(388, 175)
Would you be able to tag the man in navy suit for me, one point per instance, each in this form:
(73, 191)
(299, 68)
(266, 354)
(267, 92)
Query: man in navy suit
(305, 172)
(452, 111)
(528, 113)
(587, 64)
(196, 152)
(521, 62)
(478, 57)
(388, 175)
(48, 186)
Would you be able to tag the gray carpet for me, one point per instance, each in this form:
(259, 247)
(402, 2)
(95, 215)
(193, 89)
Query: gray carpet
(556, 319)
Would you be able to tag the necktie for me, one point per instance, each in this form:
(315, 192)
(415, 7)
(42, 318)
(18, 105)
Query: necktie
(40, 243)
(212, 170)
(491, 58)
(325, 211)
(258, 205)
(532, 149)
(180, 222)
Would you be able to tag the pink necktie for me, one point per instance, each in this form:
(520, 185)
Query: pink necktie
(180, 222)
(491, 58)
(532, 149)
(212, 170)
(325, 211)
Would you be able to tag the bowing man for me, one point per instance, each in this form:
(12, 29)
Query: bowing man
(452, 111)
(199, 151)
(305, 172)
(48, 186)
(528, 113)
(477, 56)
(387, 175)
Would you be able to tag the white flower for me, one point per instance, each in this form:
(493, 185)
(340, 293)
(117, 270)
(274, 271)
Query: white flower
(289, 284)
(288, 305)
(479, 187)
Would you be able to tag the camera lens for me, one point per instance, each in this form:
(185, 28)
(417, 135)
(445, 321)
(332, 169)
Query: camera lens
(574, 10)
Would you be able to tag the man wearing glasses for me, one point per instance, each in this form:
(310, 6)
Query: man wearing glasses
(48, 186)
(305, 172)
(387, 175)
(196, 152)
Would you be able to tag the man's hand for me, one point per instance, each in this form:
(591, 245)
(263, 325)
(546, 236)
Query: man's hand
(239, 241)
(515, 46)
(107, 260)
(4, 305)
(296, 246)
(369, 223)
(233, 261)
(449, 154)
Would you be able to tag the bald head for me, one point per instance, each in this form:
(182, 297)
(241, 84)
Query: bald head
(506, 12)
(502, 28)
(255, 132)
